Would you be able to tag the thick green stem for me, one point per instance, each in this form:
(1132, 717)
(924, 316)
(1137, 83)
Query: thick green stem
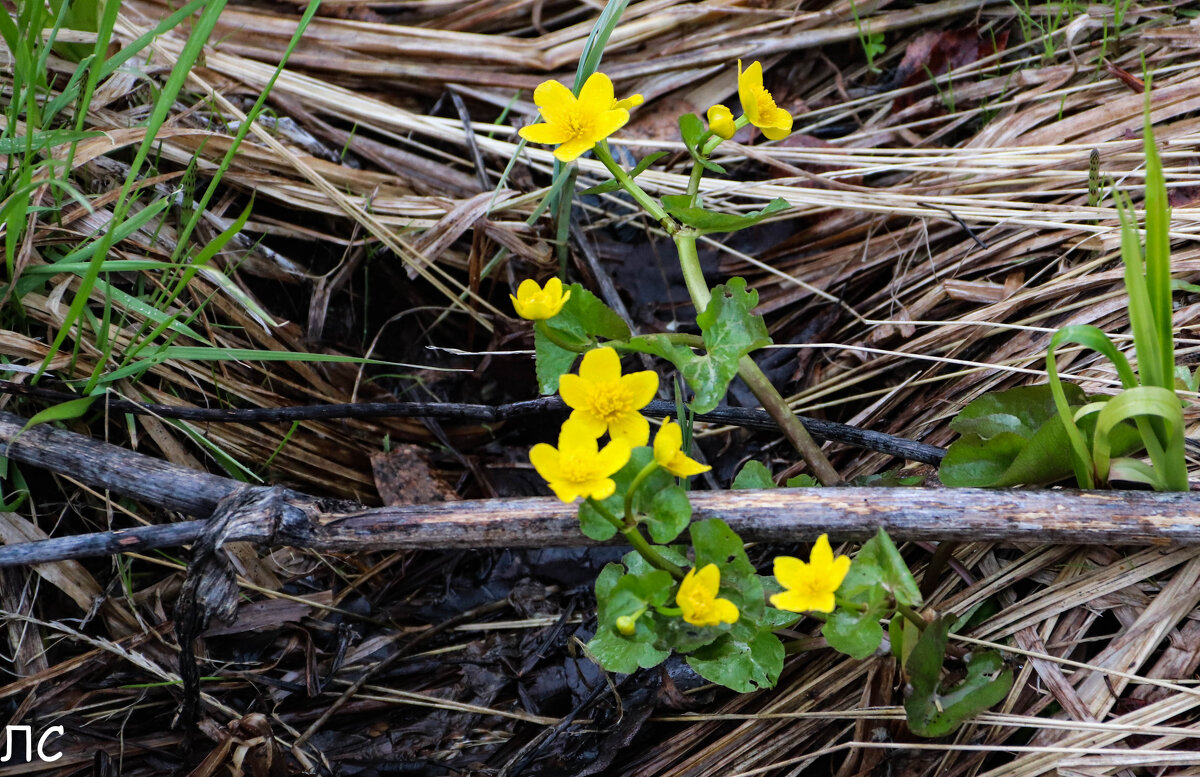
(760, 385)
(693, 276)
(797, 435)
(648, 203)
(639, 543)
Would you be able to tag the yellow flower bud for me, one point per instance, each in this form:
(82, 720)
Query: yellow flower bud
(720, 121)
(627, 625)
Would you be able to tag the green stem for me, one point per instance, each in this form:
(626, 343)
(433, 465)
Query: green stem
(639, 543)
(638, 479)
(760, 385)
(846, 604)
(912, 616)
(694, 183)
(675, 338)
(556, 337)
(693, 276)
(777, 407)
(648, 203)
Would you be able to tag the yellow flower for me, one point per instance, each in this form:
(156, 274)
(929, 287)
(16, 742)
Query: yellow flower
(810, 586)
(668, 452)
(632, 101)
(604, 399)
(535, 303)
(578, 467)
(697, 598)
(720, 121)
(576, 124)
(759, 106)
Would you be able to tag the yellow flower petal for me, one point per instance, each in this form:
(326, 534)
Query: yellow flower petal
(573, 390)
(613, 457)
(787, 569)
(642, 387)
(544, 459)
(589, 423)
(573, 149)
(600, 365)
(799, 601)
(596, 96)
(779, 126)
(632, 101)
(555, 101)
(667, 442)
(822, 553)
(682, 466)
(841, 566)
(633, 428)
(708, 579)
(545, 133)
(750, 81)
(609, 122)
(599, 489)
(576, 439)
(724, 611)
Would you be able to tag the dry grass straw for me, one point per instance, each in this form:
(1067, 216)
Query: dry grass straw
(925, 316)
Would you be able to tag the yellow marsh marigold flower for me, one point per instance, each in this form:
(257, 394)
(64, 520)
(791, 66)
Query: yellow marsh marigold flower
(604, 399)
(759, 106)
(697, 598)
(668, 452)
(578, 467)
(576, 124)
(535, 303)
(810, 586)
(720, 121)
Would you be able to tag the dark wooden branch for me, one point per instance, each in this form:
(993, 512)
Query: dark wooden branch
(783, 515)
(454, 411)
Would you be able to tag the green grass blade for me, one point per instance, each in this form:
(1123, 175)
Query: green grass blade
(1141, 307)
(1158, 256)
(1146, 402)
(201, 31)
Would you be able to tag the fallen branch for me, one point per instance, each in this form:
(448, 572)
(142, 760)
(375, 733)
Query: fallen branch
(778, 515)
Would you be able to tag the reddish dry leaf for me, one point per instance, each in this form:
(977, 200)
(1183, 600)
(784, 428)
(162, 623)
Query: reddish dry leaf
(936, 53)
(404, 477)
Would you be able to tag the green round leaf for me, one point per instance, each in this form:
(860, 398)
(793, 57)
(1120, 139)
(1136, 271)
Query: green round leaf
(670, 513)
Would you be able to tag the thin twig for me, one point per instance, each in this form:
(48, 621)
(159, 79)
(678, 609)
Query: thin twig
(456, 411)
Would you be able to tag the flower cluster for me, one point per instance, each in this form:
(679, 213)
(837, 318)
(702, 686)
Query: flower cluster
(577, 123)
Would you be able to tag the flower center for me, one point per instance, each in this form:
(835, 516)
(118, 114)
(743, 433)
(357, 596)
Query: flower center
(698, 603)
(580, 123)
(611, 400)
(766, 103)
(577, 469)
